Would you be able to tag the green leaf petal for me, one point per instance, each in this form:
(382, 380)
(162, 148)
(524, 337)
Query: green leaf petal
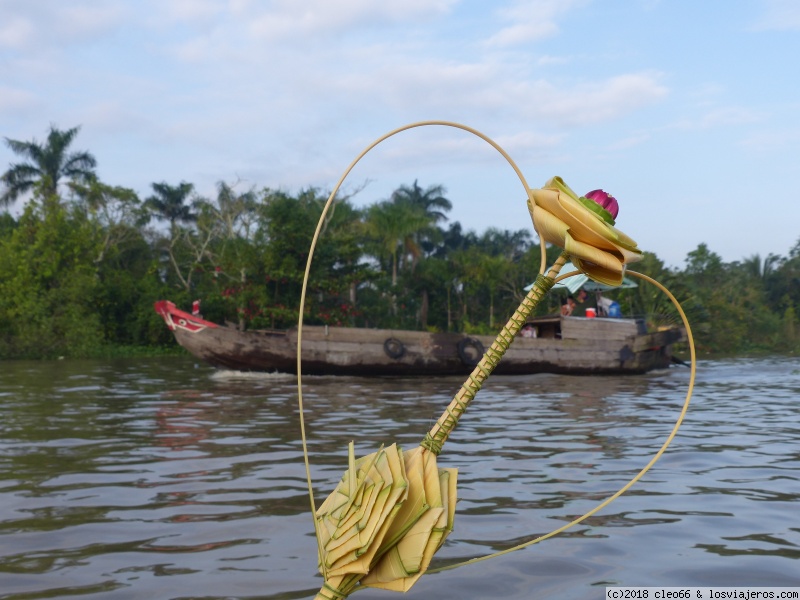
(597, 209)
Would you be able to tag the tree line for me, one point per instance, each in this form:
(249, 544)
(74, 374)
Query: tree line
(84, 261)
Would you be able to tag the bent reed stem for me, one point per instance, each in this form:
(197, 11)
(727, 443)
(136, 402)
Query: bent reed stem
(437, 436)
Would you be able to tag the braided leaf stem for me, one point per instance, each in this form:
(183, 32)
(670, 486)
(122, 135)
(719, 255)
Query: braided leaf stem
(437, 436)
(328, 592)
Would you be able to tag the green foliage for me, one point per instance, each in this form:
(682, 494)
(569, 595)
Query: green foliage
(789, 328)
(49, 284)
(79, 275)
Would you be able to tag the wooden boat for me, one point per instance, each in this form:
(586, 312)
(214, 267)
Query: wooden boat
(562, 345)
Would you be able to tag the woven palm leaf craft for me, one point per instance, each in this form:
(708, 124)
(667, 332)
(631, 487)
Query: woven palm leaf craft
(393, 509)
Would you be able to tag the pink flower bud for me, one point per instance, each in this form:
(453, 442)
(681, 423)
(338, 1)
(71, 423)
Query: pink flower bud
(605, 200)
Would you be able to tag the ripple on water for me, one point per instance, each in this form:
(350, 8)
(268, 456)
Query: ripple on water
(157, 479)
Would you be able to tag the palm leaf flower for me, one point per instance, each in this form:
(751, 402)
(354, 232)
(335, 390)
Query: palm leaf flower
(381, 526)
(393, 509)
(584, 228)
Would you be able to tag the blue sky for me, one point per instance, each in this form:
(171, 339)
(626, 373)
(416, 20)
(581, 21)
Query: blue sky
(687, 111)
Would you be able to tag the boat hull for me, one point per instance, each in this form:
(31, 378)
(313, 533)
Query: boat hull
(564, 345)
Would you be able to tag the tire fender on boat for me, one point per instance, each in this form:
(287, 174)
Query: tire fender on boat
(465, 355)
(626, 354)
(394, 348)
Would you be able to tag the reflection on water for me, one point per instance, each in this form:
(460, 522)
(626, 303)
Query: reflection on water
(164, 479)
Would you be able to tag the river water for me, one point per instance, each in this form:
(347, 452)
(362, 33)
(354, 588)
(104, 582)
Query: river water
(163, 479)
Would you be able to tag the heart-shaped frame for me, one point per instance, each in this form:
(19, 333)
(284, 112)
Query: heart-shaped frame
(521, 177)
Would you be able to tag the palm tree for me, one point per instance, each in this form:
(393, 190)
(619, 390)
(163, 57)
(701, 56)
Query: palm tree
(169, 203)
(510, 244)
(431, 200)
(393, 226)
(47, 165)
(233, 210)
(758, 270)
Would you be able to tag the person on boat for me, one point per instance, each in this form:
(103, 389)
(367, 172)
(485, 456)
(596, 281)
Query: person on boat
(606, 307)
(567, 306)
(579, 310)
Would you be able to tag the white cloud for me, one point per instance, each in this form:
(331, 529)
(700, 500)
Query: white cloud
(292, 20)
(522, 33)
(729, 115)
(770, 141)
(75, 20)
(195, 50)
(112, 117)
(16, 100)
(193, 10)
(282, 31)
(448, 146)
(16, 31)
(779, 15)
(630, 141)
(430, 83)
(531, 20)
(593, 102)
(40, 26)
(547, 60)
(531, 144)
(495, 90)
(720, 116)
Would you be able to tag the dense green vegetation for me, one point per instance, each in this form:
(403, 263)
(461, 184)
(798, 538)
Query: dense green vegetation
(81, 266)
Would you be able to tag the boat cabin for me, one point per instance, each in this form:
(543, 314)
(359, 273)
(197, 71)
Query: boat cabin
(555, 327)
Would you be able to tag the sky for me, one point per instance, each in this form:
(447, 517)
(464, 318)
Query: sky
(687, 112)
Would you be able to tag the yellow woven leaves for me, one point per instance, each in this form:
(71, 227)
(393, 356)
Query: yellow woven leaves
(420, 527)
(354, 518)
(385, 520)
(597, 248)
